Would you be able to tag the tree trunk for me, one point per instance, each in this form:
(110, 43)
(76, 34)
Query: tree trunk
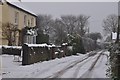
(9, 42)
(10, 39)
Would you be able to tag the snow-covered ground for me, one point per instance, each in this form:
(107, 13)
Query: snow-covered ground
(80, 66)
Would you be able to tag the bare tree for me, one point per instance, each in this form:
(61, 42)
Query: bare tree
(110, 24)
(95, 36)
(9, 33)
(82, 24)
(75, 24)
(69, 22)
(44, 22)
(60, 32)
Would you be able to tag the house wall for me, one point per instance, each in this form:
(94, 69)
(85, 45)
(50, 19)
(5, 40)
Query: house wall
(8, 12)
(5, 19)
(21, 15)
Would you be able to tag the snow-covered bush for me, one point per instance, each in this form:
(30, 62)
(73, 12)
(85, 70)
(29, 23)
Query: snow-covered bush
(89, 44)
(42, 38)
(76, 42)
(11, 50)
(114, 69)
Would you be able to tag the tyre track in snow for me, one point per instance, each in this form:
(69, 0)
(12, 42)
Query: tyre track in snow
(101, 60)
(79, 67)
(89, 72)
(37, 72)
(71, 65)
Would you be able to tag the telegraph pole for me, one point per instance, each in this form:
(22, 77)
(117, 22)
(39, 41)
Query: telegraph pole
(118, 30)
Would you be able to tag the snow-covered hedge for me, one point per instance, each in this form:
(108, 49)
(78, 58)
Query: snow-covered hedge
(11, 50)
(88, 43)
(33, 53)
(114, 71)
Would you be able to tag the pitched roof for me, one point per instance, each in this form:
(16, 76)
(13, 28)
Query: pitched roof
(20, 6)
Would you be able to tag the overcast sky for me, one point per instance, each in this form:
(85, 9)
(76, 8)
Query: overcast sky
(97, 10)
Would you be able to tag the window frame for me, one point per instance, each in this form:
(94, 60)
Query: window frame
(25, 20)
(16, 17)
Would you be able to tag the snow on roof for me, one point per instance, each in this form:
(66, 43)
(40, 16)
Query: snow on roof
(20, 5)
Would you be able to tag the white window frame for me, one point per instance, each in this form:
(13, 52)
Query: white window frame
(25, 20)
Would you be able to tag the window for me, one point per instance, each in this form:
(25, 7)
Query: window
(25, 20)
(16, 18)
(32, 21)
(28, 23)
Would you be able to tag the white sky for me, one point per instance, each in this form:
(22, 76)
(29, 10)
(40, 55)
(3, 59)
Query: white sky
(68, 0)
(97, 9)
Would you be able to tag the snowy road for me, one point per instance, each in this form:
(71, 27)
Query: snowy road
(91, 65)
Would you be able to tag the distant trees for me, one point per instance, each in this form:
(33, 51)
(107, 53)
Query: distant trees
(60, 32)
(75, 24)
(44, 22)
(58, 29)
(69, 23)
(82, 24)
(95, 36)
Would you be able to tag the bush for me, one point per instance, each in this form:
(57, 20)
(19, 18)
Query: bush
(42, 38)
(11, 50)
(114, 61)
(78, 46)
